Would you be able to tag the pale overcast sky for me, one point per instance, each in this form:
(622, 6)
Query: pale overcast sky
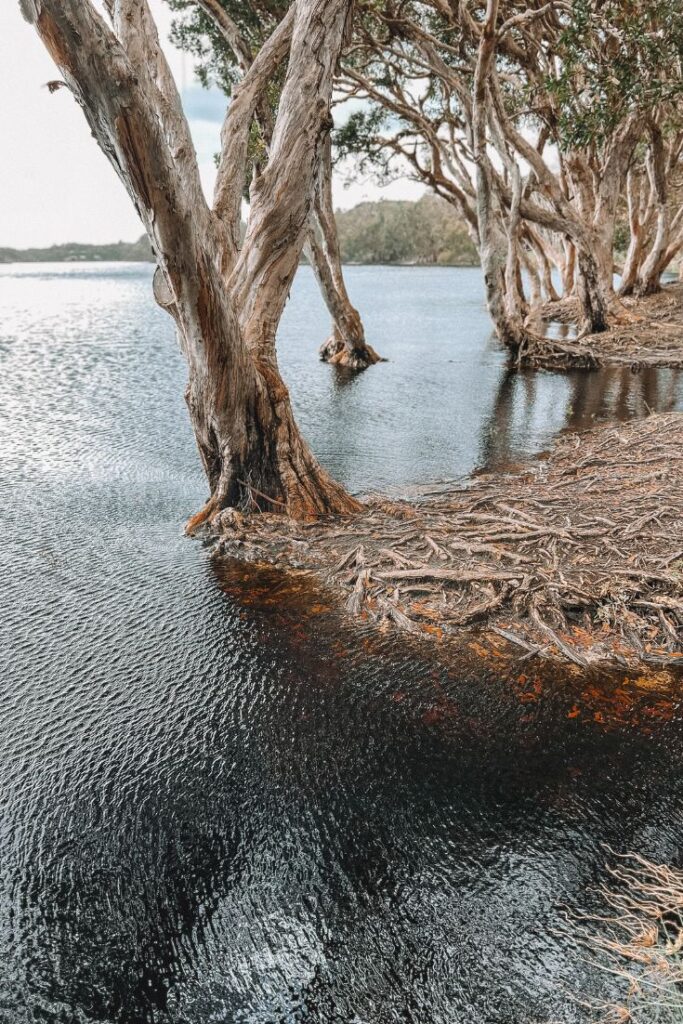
(55, 185)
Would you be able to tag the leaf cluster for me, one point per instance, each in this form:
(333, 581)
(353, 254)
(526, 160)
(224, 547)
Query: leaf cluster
(616, 58)
(195, 33)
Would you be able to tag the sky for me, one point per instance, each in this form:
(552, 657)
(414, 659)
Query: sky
(55, 184)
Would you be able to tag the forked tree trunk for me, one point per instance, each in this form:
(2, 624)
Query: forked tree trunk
(347, 344)
(226, 314)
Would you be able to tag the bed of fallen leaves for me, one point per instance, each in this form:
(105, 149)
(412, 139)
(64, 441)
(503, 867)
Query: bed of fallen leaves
(578, 557)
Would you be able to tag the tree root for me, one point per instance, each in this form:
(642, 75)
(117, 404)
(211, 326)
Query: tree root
(636, 939)
(356, 356)
(202, 517)
(578, 558)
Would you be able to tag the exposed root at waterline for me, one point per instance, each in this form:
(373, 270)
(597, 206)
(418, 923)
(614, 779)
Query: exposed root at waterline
(201, 518)
(578, 557)
(647, 332)
(359, 357)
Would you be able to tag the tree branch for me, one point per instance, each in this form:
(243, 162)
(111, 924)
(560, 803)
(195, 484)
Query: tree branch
(229, 31)
(246, 97)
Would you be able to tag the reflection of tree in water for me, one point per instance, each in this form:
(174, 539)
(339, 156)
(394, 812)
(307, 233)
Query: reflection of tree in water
(611, 393)
(516, 396)
(342, 378)
(617, 393)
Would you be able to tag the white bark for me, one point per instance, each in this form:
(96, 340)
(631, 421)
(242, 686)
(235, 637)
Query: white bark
(493, 246)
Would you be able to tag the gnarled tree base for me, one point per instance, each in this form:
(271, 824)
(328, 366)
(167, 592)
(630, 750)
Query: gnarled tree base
(306, 497)
(351, 356)
(555, 560)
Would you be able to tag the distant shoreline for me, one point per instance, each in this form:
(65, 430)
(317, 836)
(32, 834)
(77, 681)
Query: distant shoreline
(389, 233)
(22, 259)
(77, 252)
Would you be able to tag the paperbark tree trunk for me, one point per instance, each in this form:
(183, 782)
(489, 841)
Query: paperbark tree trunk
(545, 266)
(346, 345)
(651, 271)
(638, 226)
(595, 245)
(226, 314)
(591, 290)
(568, 268)
(494, 248)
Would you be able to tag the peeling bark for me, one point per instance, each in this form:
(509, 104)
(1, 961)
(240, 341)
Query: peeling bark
(346, 345)
(651, 270)
(493, 245)
(250, 446)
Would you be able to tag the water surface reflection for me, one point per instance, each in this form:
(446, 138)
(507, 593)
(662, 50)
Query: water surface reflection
(219, 803)
(523, 398)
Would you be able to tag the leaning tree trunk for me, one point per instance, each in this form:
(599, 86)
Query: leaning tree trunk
(632, 263)
(226, 314)
(346, 345)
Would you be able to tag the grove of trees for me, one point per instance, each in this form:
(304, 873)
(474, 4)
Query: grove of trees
(428, 232)
(545, 125)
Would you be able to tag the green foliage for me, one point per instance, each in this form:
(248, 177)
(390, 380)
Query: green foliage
(195, 33)
(616, 57)
(622, 235)
(428, 232)
(360, 138)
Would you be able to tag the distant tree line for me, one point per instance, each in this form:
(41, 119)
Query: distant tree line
(72, 252)
(423, 233)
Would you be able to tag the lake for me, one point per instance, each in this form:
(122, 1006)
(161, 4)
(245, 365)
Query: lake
(220, 801)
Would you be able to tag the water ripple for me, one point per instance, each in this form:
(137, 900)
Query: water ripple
(220, 805)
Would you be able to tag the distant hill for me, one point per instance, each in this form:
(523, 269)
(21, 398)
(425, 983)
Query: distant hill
(426, 233)
(73, 252)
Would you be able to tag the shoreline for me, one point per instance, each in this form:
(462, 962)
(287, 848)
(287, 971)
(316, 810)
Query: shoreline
(577, 557)
(650, 335)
